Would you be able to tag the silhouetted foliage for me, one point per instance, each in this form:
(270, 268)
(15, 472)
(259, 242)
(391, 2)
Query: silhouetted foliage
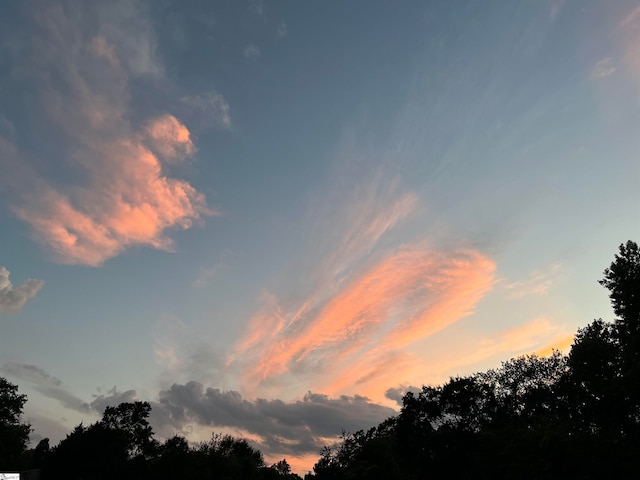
(14, 435)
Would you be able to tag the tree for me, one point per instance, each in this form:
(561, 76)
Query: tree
(622, 279)
(14, 435)
(131, 420)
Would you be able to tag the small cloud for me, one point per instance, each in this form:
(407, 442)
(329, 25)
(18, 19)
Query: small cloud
(113, 398)
(12, 299)
(208, 109)
(207, 274)
(397, 394)
(282, 30)
(539, 283)
(603, 68)
(169, 138)
(257, 7)
(556, 6)
(251, 51)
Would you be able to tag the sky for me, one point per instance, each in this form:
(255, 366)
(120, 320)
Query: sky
(273, 218)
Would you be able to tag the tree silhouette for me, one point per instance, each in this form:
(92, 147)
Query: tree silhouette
(14, 435)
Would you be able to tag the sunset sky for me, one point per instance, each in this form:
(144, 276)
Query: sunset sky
(273, 217)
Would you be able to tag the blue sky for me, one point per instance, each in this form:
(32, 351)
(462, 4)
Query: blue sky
(316, 204)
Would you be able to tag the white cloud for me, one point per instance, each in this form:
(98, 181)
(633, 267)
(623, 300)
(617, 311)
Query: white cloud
(603, 68)
(251, 51)
(12, 299)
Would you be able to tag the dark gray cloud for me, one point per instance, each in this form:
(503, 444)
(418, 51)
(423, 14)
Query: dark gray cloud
(397, 393)
(53, 387)
(112, 399)
(12, 299)
(295, 427)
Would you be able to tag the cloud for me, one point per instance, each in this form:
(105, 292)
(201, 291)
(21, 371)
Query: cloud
(169, 138)
(257, 7)
(12, 299)
(184, 355)
(113, 398)
(521, 339)
(603, 68)
(296, 427)
(539, 283)
(282, 30)
(629, 29)
(208, 109)
(54, 388)
(251, 51)
(407, 296)
(206, 275)
(397, 393)
(110, 190)
(46, 384)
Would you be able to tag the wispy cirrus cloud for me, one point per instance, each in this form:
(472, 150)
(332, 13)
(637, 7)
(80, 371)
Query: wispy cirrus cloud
(115, 191)
(46, 384)
(365, 305)
(12, 298)
(604, 68)
(539, 283)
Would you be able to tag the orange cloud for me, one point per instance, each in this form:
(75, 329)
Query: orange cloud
(405, 297)
(130, 202)
(122, 197)
(170, 138)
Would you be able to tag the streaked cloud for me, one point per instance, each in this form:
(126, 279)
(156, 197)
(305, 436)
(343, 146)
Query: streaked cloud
(603, 68)
(117, 193)
(12, 299)
(46, 384)
(530, 337)
(539, 283)
(409, 295)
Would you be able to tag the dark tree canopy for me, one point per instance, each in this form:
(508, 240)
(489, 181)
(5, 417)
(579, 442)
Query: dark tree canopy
(14, 435)
(622, 279)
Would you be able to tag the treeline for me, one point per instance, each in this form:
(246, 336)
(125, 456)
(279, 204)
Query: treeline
(574, 416)
(121, 446)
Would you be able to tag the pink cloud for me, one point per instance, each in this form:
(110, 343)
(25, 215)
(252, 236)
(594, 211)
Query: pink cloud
(170, 138)
(118, 194)
(403, 298)
(128, 202)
